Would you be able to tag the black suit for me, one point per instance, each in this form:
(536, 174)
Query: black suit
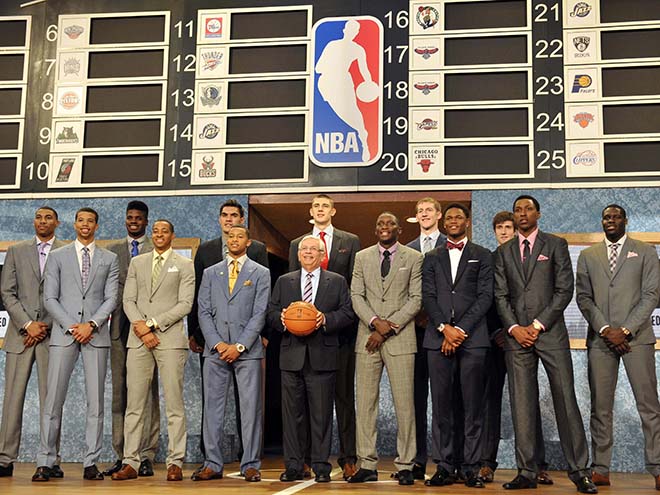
(541, 292)
(464, 303)
(340, 260)
(208, 254)
(308, 366)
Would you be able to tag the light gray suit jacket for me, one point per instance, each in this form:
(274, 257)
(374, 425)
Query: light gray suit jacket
(235, 318)
(625, 298)
(68, 303)
(168, 302)
(398, 298)
(22, 289)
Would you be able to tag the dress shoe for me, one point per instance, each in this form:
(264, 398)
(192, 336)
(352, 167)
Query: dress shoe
(441, 477)
(349, 470)
(472, 480)
(322, 478)
(291, 475)
(125, 473)
(174, 473)
(519, 483)
(307, 471)
(459, 476)
(41, 474)
(364, 475)
(419, 471)
(486, 474)
(585, 485)
(146, 468)
(543, 478)
(600, 479)
(91, 473)
(657, 482)
(406, 477)
(56, 472)
(205, 474)
(6, 471)
(251, 474)
(112, 469)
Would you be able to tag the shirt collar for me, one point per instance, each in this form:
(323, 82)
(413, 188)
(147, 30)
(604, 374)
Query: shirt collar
(464, 240)
(79, 246)
(620, 242)
(329, 230)
(241, 260)
(316, 273)
(165, 255)
(140, 240)
(531, 237)
(391, 249)
(49, 241)
(433, 235)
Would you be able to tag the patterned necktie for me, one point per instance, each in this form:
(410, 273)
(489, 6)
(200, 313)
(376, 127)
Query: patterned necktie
(307, 293)
(454, 245)
(614, 248)
(233, 275)
(158, 266)
(324, 263)
(42, 257)
(134, 248)
(427, 245)
(385, 264)
(85, 266)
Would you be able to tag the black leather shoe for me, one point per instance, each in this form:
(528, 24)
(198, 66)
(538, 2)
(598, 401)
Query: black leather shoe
(406, 477)
(322, 478)
(585, 485)
(419, 471)
(519, 483)
(291, 475)
(146, 468)
(472, 480)
(91, 473)
(56, 472)
(41, 474)
(6, 471)
(112, 469)
(364, 475)
(440, 478)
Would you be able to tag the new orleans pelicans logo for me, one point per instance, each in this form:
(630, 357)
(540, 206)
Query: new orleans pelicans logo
(347, 107)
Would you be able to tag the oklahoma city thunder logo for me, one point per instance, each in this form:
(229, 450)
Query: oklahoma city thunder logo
(347, 106)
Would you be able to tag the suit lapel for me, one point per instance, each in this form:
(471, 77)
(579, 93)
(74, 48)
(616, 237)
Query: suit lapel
(73, 256)
(166, 266)
(623, 256)
(462, 262)
(445, 264)
(334, 250)
(243, 276)
(294, 281)
(96, 259)
(538, 245)
(33, 258)
(515, 254)
(322, 288)
(601, 254)
(397, 263)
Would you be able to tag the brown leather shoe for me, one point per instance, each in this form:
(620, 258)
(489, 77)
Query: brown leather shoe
(600, 479)
(204, 474)
(544, 478)
(349, 470)
(174, 473)
(307, 471)
(486, 474)
(125, 473)
(252, 474)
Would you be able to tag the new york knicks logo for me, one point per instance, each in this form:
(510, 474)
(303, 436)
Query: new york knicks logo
(347, 96)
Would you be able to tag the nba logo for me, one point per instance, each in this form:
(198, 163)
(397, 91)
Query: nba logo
(347, 94)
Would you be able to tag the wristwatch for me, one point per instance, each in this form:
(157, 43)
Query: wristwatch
(441, 328)
(150, 324)
(627, 333)
(93, 325)
(240, 347)
(537, 326)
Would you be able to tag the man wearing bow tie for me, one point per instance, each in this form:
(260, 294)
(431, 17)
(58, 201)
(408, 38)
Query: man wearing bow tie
(457, 291)
(617, 290)
(533, 286)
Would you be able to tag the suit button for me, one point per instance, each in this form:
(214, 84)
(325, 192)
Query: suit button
(382, 300)
(453, 292)
(79, 313)
(150, 300)
(83, 298)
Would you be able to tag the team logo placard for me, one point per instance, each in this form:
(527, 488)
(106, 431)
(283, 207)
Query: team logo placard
(580, 13)
(209, 132)
(207, 169)
(70, 100)
(581, 47)
(583, 121)
(211, 61)
(425, 125)
(67, 136)
(584, 158)
(72, 66)
(427, 16)
(425, 53)
(425, 162)
(425, 88)
(73, 32)
(347, 94)
(582, 84)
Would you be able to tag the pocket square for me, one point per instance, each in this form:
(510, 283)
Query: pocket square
(632, 254)
(342, 251)
(403, 268)
(172, 269)
(247, 282)
(473, 261)
(542, 257)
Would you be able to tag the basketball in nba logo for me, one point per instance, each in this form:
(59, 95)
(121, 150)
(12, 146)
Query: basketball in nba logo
(347, 94)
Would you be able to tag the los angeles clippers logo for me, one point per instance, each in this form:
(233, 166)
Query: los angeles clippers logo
(347, 93)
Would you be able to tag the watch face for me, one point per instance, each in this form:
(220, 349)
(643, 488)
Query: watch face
(240, 347)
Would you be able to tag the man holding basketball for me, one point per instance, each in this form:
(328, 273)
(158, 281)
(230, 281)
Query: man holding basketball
(308, 364)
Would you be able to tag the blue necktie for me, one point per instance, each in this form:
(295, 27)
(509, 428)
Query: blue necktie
(134, 248)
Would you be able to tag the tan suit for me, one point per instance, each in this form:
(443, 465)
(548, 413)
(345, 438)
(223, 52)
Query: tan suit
(397, 298)
(168, 302)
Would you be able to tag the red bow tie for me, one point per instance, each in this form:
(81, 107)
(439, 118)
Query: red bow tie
(453, 245)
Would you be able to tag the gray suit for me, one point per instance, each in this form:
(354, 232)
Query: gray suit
(625, 298)
(542, 292)
(168, 301)
(397, 298)
(233, 318)
(120, 328)
(68, 303)
(22, 287)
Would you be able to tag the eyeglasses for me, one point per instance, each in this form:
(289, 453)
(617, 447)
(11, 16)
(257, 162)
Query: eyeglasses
(313, 249)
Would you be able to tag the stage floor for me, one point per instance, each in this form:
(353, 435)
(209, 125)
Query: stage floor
(232, 484)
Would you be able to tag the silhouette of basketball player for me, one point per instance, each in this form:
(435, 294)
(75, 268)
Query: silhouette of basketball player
(335, 82)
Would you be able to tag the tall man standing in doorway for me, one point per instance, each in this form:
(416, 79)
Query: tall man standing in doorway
(341, 248)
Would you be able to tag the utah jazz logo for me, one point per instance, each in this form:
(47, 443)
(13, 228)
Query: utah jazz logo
(347, 93)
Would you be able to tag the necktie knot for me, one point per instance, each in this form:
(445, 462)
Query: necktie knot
(455, 245)
(326, 259)
(322, 235)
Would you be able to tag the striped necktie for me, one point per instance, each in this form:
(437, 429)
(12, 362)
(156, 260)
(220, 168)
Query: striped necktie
(307, 293)
(158, 266)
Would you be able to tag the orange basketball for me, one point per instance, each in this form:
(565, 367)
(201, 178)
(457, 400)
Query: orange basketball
(300, 318)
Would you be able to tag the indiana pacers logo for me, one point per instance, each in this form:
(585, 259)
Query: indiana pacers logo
(347, 106)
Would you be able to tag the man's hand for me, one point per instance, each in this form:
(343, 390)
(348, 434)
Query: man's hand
(614, 337)
(82, 332)
(320, 320)
(37, 330)
(29, 341)
(221, 347)
(523, 336)
(454, 336)
(140, 328)
(500, 338)
(151, 340)
(447, 349)
(194, 346)
(229, 354)
(383, 327)
(374, 342)
(264, 341)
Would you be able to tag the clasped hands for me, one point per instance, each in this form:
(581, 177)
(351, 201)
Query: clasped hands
(454, 337)
(525, 336)
(381, 333)
(82, 332)
(616, 340)
(227, 352)
(36, 332)
(144, 333)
